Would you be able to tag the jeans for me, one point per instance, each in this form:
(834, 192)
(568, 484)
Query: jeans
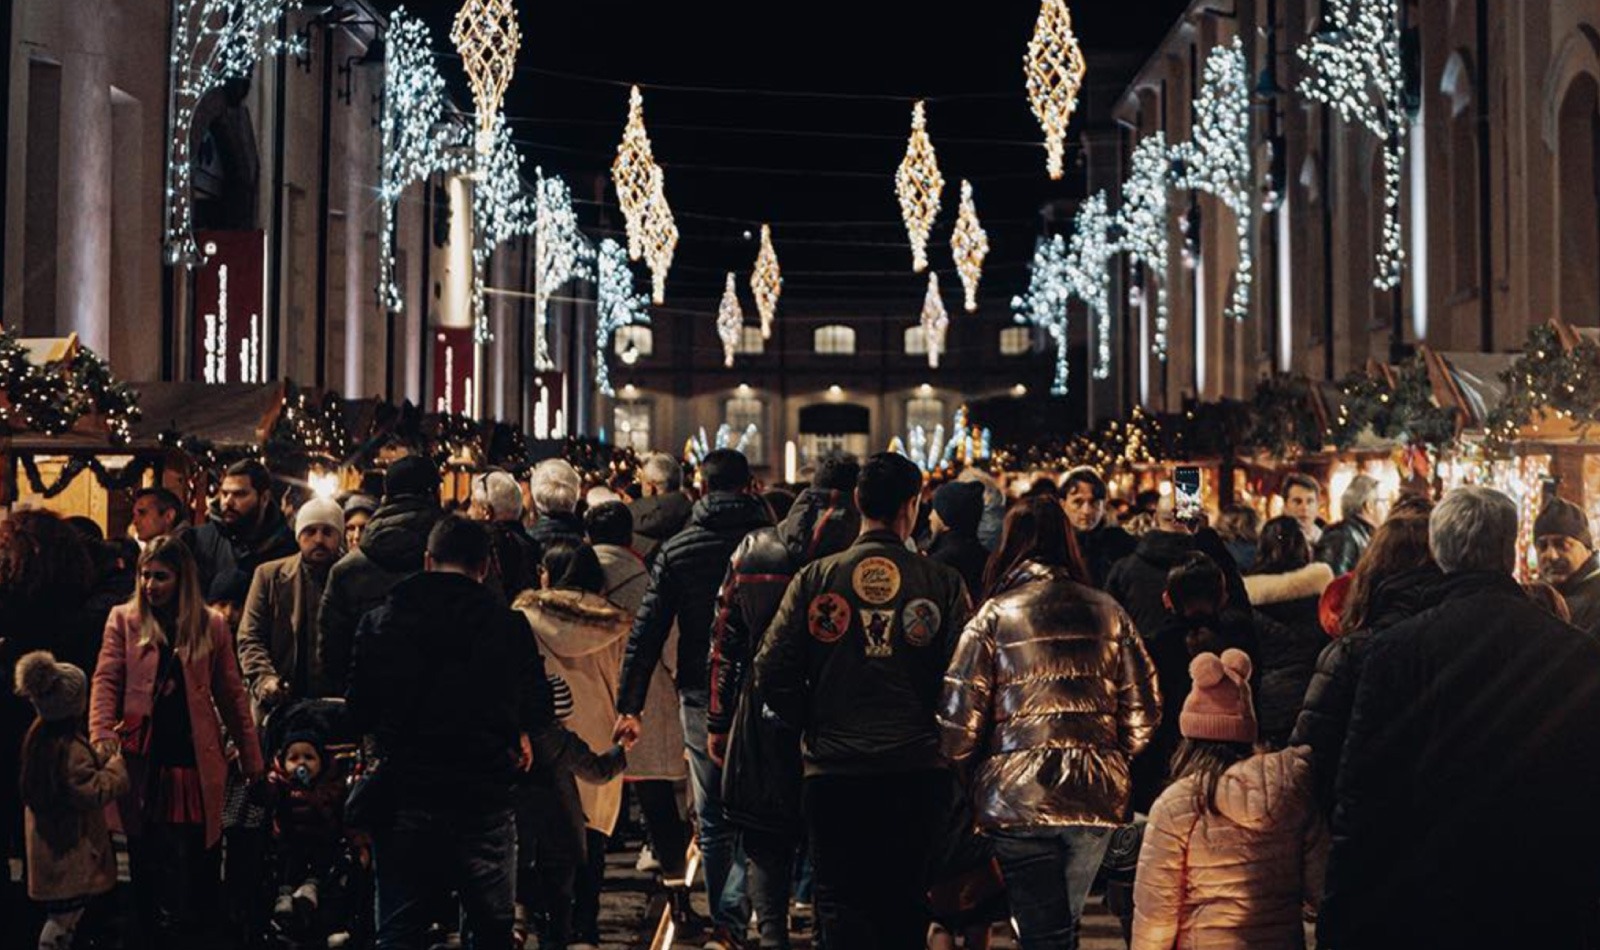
(772, 859)
(428, 849)
(719, 840)
(1048, 873)
(663, 820)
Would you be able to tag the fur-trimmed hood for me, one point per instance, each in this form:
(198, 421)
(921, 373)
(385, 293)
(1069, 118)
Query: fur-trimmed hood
(1308, 581)
(571, 623)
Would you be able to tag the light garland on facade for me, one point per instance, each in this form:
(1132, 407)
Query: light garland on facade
(619, 305)
(486, 35)
(766, 282)
(970, 245)
(418, 139)
(699, 446)
(919, 185)
(1145, 218)
(1088, 272)
(1356, 68)
(660, 236)
(560, 253)
(730, 321)
(633, 174)
(1217, 159)
(935, 321)
(1055, 68)
(966, 444)
(213, 42)
(1045, 304)
(501, 210)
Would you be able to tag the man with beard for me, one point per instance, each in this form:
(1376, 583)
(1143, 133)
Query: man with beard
(245, 529)
(1101, 544)
(1567, 560)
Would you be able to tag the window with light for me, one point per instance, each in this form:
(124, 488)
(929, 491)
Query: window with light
(742, 412)
(835, 340)
(751, 343)
(640, 340)
(926, 412)
(1015, 341)
(630, 423)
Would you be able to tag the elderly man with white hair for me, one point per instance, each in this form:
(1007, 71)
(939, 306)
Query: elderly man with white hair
(497, 500)
(1342, 545)
(555, 488)
(1473, 757)
(663, 510)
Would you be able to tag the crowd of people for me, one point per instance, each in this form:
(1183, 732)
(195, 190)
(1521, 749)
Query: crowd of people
(924, 709)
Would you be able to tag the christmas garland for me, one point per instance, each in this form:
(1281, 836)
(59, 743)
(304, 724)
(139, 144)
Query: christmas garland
(1547, 379)
(1405, 413)
(131, 476)
(50, 399)
(1283, 423)
(309, 430)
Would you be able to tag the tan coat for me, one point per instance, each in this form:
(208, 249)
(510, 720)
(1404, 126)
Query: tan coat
(280, 617)
(659, 753)
(1238, 879)
(581, 637)
(68, 844)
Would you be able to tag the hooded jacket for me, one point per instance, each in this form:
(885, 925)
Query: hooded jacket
(1290, 637)
(392, 549)
(1237, 877)
(1049, 696)
(227, 557)
(657, 518)
(581, 636)
(659, 751)
(445, 679)
(684, 576)
(1138, 580)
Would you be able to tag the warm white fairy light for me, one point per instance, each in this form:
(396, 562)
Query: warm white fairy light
(970, 245)
(1356, 68)
(935, 321)
(919, 185)
(418, 139)
(486, 35)
(730, 321)
(1055, 69)
(660, 236)
(501, 210)
(766, 282)
(1145, 219)
(1089, 273)
(618, 306)
(1217, 159)
(560, 254)
(932, 453)
(213, 42)
(1045, 304)
(633, 174)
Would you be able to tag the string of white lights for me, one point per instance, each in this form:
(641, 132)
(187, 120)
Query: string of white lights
(730, 321)
(561, 253)
(501, 210)
(969, 244)
(1145, 218)
(1044, 305)
(1088, 273)
(619, 305)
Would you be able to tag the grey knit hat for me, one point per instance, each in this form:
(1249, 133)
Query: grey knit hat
(57, 690)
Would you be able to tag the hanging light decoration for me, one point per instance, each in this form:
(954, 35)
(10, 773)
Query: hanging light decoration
(633, 174)
(919, 185)
(486, 35)
(1145, 216)
(1045, 304)
(1356, 68)
(213, 42)
(660, 236)
(560, 254)
(501, 210)
(730, 321)
(970, 245)
(935, 321)
(766, 282)
(618, 306)
(1055, 71)
(1089, 273)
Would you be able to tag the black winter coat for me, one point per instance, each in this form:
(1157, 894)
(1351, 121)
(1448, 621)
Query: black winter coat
(1102, 548)
(657, 518)
(966, 554)
(685, 574)
(227, 558)
(515, 567)
(1290, 637)
(1582, 592)
(1466, 793)
(549, 529)
(1342, 545)
(1138, 580)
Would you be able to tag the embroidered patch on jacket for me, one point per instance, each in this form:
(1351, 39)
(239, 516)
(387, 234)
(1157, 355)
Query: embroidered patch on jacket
(878, 625)
(828, 618)
(876, 580)
(919, 621)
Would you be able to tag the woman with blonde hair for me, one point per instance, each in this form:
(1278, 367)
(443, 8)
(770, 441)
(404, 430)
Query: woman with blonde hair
(166, 682)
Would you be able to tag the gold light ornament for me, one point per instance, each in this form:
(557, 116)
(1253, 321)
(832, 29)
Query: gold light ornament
(633, 174)
(935, 321)
(919, 184)
(660, 236)
(970, 245)
(766, 282)
(486, 35)
(1055, 69)
(730, 321)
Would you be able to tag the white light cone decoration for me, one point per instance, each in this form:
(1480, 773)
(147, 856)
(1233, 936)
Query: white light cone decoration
(486, 35)
(1055, 69)
(560, 254)
(501, 210)
(633, 174)
(766, 282)
(1217, 160)
(1045, 304)
(730, 321)
(1356, 68)
(969, 245)
(213, 42)
(698, 446)
(1145, 220)
(1089, 273)
(935, 321)
(919, 185)
(619, 305)
(660, 236)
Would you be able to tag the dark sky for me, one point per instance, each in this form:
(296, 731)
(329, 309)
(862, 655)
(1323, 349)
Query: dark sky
(819, 168)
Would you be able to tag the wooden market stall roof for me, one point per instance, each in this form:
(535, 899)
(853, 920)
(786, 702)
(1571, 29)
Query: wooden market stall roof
(1470, 382)
(226, 414)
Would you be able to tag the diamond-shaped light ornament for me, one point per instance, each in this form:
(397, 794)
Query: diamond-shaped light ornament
(486, 35)
(766, 282)
(970, 245)
(730, 321)
(660, 236)
(935, 321)
(1055, 69)
(919, 185)
(633, 174)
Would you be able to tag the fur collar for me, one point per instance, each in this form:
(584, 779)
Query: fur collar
(1308, 581)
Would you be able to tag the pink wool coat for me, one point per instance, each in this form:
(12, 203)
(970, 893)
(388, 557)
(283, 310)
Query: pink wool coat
(124, 685)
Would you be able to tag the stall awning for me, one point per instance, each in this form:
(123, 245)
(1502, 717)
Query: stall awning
(1472, 382)
(228, 414)
(835, 419)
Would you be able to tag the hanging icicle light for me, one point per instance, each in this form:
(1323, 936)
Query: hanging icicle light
(633, 174)
(1089, 273)
(919, 185)
(970, 245)
(618, 305)
(501, 210)
(935, 321)
(766, 282)
(730, 321)
(1045, 304)
(560, 254)
(660, 236)
(486, 35)
(213, 42)
(1145, 217)
(1055, 71)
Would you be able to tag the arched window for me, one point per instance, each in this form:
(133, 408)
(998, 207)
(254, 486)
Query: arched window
(925, 411)
(1015, 341)
(835, 340)
(642, 341)
(630, 422)
(751, 342)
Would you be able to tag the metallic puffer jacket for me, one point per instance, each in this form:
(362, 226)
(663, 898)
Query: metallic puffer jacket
(1049, 696)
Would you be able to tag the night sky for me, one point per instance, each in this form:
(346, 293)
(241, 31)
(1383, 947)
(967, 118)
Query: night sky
(819, 168)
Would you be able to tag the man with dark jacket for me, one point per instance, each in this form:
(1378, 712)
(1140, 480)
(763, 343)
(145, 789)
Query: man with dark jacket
(1484, 705)
(448, 682)
(759, 753)
(1567, 560)
(1139, 581)
(1343, 544)
(684, 576)
(554, 487)
(392, 549)
(957, 511)
(664, 509)
(497, 502)
(856, 656)
(1102, 545)
(245, 530)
